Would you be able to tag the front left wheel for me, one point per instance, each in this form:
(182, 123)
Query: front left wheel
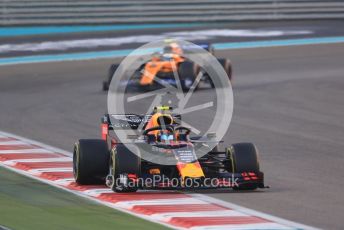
(187, 72)
(90, 161)
(111, 72)
(125, 169)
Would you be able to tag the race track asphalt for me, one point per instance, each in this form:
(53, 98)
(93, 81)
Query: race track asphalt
(287, 100)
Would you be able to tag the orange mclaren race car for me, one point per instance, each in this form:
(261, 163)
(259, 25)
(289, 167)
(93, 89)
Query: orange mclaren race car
(123, 170)
(164, 65)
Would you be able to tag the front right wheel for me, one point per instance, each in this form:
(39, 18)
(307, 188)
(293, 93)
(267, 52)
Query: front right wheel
(244, 158)
(227, 66)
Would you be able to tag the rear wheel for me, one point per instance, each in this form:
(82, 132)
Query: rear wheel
(124, 165)
(187, 73)
(105, 86)
(90, 161)
(244, 158)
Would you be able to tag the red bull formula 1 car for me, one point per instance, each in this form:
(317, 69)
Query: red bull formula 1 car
(164, 65)
(112, 163)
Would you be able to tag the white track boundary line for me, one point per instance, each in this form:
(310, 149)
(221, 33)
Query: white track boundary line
(38, 160)
(225, 213)
(13, 143)
(151, 218)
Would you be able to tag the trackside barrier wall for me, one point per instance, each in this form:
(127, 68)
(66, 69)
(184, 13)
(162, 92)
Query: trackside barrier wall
(57, 12)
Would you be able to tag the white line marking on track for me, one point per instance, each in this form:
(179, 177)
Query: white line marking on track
(64, 182)
(178, 201)
(25, 151)
(42, 170)
(11, 142)
(97, 192)
(167, 216)
(58, 159)
(262, 226)
(118, 41)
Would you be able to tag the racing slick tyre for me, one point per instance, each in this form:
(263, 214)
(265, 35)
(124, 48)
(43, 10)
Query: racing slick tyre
(90, 161)
(227, 66)
(244, 158)
(105, 86)
(187, 73)
(112, 70)
(123, 165)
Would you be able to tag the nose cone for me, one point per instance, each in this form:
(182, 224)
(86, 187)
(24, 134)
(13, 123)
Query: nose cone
(191, 170)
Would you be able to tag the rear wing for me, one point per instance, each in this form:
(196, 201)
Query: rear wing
(195, 47)
(130, 121)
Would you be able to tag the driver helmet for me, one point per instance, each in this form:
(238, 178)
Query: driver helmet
(176, 49)
(173, 48)
(159, 119)
(165, 137)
